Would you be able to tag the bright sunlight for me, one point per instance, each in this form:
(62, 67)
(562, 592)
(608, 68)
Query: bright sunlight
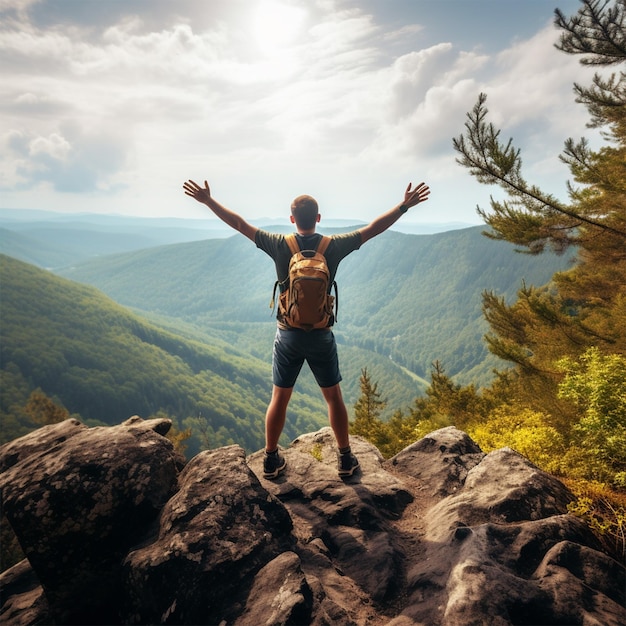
(276, 25)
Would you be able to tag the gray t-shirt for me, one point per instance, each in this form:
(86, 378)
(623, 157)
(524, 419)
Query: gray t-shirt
(275, 246)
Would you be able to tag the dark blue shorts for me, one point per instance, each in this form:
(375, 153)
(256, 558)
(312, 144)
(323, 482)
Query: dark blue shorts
(293, 347)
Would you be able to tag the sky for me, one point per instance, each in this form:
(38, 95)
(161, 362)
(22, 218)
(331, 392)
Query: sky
(108, 106)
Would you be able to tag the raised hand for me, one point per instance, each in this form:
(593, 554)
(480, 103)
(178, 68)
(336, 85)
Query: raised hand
(201, 194)
(417, 195)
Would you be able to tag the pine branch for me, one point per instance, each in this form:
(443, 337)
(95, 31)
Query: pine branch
(492, 162)
(595, 31)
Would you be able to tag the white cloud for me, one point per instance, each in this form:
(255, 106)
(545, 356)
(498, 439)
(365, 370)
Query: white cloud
(133, 108)
(54, 147)
(533, 77)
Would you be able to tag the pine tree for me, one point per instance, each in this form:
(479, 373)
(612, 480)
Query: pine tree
(446, 403)
(586, 305)
(367, 410)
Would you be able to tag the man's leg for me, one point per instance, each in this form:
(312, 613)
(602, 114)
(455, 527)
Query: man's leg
(323, 361)
(338, 417)
(273, 461)
(275, 416)
(337, 414)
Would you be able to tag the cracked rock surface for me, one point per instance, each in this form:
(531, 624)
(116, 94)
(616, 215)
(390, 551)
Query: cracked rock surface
(118, 529)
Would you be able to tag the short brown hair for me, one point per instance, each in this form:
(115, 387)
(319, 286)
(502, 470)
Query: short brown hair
(304, 210)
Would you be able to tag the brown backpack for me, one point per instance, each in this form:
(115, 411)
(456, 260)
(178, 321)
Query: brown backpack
(307, 303)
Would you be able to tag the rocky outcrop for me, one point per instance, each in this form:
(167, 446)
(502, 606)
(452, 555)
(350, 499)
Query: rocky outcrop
(118, 530)
(78, 499)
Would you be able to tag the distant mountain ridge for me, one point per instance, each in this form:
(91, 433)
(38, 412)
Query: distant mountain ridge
(54, 240)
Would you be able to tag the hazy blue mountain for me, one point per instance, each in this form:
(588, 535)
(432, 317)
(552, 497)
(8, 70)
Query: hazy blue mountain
(53, 240)
(56, 239)
(30, 249)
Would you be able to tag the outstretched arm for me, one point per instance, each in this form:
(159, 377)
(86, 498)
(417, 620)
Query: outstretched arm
(383, 222)
(203, 194)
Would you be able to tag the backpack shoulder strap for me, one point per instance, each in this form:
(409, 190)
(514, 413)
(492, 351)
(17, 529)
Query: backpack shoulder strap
(323, 244)
(292, 242)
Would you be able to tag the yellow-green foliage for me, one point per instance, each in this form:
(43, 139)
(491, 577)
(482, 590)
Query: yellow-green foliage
(596, 384)
(525, 431)
(428, 425)
(178, 438)
(316, 452)
(604, 510)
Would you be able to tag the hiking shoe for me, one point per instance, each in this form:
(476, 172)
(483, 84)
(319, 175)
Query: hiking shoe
(347, 464)
(273, 464)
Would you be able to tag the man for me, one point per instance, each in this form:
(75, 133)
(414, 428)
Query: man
(293, 346)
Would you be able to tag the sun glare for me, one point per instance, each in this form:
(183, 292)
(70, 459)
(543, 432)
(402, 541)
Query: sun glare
(276, 25)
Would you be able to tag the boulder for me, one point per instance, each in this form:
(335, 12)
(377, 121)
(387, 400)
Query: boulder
(116, 530)
(41, 440)
(280, 594)
(503, 487)
(440, 460)
(213, 537)
(79, 504)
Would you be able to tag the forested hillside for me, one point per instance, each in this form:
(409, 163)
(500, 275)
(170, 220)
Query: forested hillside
(105, 364)
(405, 299)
